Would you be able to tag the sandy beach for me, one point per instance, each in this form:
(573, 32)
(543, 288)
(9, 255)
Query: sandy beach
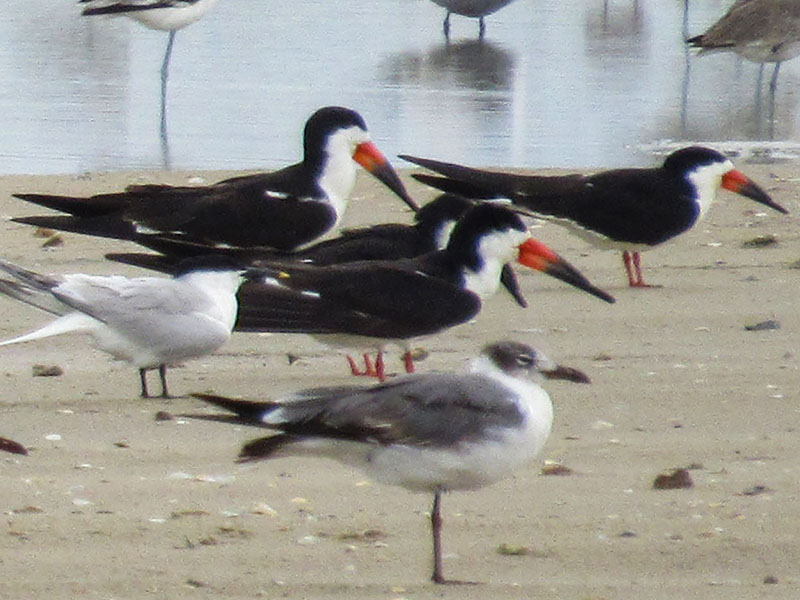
(111, 503)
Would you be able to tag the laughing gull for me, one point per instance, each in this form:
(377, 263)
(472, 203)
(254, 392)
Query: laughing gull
(625, 209)
(283, 209)
(429, 433)
(150, 322)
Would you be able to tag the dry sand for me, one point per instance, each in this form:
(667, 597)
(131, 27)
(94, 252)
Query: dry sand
(121, 506)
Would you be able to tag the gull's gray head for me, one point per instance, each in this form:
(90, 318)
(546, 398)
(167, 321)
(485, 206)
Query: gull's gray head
(518, 359)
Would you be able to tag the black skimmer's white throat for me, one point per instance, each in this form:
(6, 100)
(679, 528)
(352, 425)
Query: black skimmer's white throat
(761, 31)
(624, 209)
(381, 301)
(151, 322)
(476, 9)
(430, 433)
(283, 209)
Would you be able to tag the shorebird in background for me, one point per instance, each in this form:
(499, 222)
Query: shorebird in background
(150, 322)
(163, 15)
(477, 9)
(431, 433)
(761, 31)
(625, 209)
(376, 302)
(283, 209)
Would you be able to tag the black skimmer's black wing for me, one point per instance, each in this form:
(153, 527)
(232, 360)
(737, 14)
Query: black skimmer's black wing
(626, 209)
(283, 209)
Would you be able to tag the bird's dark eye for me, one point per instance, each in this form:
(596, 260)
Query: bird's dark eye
(526, 360)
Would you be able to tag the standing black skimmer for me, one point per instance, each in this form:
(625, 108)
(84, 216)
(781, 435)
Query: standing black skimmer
(150, 322)
(476, 9)
(388, 241)
(761, 31)
(430, 433)
(399, 300)
(283, 209)
(624, 209)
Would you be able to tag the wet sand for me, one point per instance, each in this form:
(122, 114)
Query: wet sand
(111, 503)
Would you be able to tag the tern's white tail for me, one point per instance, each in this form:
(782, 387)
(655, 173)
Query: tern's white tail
(72, 322)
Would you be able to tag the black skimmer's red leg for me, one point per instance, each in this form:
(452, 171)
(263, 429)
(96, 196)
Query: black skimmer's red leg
(424, 432)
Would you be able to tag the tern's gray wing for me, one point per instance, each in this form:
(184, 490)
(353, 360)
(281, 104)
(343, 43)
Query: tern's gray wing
(423, 410)
(114, 300)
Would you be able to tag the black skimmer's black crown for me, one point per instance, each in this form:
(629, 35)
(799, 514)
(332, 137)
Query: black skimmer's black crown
(148, 321)
(400, 299)
(432, 432)
(283, 209)
(625, 209)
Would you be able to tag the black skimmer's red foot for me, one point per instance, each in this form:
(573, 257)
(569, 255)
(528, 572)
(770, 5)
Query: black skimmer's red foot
(400, 299)
(284, 209)
(374, 369)
(620, 209)
(427, 432)
(633, 267)
(148, 321)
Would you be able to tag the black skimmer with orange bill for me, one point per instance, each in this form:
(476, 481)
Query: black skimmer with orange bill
(430, 231)
(761, 31)
(432, 433)
(476, 9)
(626, 209)
(398, 300)
(283, 209)
(151, 322)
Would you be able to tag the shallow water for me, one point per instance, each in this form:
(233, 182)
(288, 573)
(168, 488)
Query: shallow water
(562, 83)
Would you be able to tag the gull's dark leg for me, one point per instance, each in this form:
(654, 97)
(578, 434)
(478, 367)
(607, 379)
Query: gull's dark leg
(143, 380)
(436, 529)
(162, 373)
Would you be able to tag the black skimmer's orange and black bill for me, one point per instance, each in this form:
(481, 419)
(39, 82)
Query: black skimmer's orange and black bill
(283, 209)
(625, 209)
(430, 231)
(476, 9)
(151, 322)
(400, 300)
(430, 433)
(761, 31)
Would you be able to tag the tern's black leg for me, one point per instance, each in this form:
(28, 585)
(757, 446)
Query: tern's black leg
(436, 529)
(143, 380)
(446, 25)
(162, 373)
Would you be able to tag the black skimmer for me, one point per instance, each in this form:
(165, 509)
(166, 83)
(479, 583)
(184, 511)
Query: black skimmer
(761, 31)
(388, 241)
(433, 433)
(399, 300)
(476, 9)
(625, 209)
(283, 209)
(151, 322)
